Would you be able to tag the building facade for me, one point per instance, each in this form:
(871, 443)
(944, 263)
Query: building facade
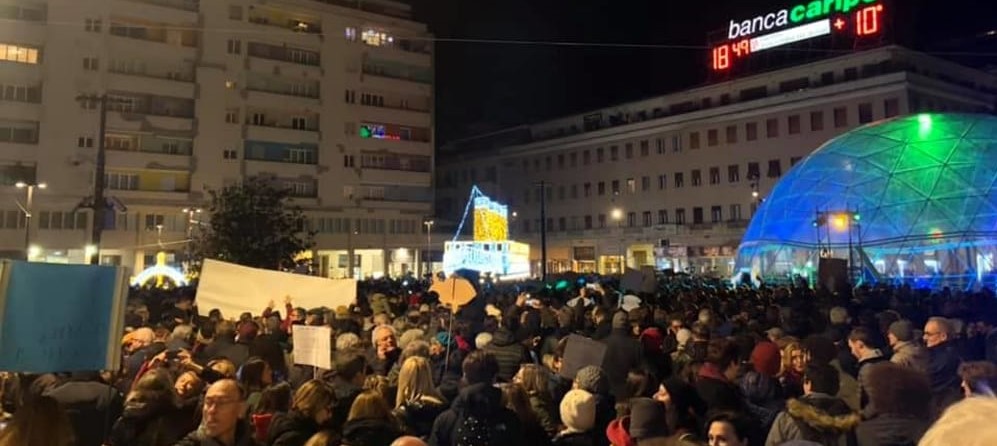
(673, 181)
(330, 98)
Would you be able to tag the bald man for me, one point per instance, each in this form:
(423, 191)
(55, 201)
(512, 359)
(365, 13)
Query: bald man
(408, 441)
(224, 406)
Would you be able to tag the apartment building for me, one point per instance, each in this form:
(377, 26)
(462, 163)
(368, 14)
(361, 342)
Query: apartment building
(330, 98)
(673, 181)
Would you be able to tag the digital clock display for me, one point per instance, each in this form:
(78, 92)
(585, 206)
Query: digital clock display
(856, 19)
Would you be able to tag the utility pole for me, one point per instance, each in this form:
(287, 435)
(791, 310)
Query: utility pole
(99, 205)
(543, 230)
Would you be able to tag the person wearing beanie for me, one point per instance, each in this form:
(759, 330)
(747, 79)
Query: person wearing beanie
(593, 379)
(482, 340)
(578, 416)
(906, 352)
(760, 385)
(647, 419)
(623, 354)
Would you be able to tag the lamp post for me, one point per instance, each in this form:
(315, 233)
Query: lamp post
(191, 212)
(429, 245)
(617, 216)
(28, 204)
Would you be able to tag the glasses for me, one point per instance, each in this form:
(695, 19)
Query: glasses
(219, 402)
(929, 334)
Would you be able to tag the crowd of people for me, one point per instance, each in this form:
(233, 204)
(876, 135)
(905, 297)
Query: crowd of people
(697, 362)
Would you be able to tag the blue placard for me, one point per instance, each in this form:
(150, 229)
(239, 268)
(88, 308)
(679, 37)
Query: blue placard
(59, 318)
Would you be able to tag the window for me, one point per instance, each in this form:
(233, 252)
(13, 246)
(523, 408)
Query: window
(20, 93)
(19, 131)
(751, 131)
(614, 153)
(235, 12)
(631, 186)
(602, 221)
(660, 143)
(697, 216)
(602, 188)
(716, 214)
(562, 224)
(85, 142)
(574, 191)
(548, 164)
(731, 134)
(20, 54)
(754, 172)
(680, 216)
(794, 124)
(588, 222)
(599, 155)
(645, 184)
(232, 116)
(662, 217)
(714, 175)
(259, 119)
(154, 221)
(91, 64)
(92, 25)
(560, 161)
(351, 34)
(865, 113)
(230, 154)
(349, 161)
(662, 182)
(772, 128)
(121, 181)
(573, 159)
(645, 148)
(733, 173)
(299, 123)
(697, 178)
(840, 117)
(694, 140)
(616, 187)
(631, 219)
(735, 212)
(587, 190)
(712, 137)
(647, 219)
(629, 150)
(676, 143)
(679, 179)
(234, 46)
(775, 169)
(586, 158)
(560, 192)
(891, 108)
(816, 121)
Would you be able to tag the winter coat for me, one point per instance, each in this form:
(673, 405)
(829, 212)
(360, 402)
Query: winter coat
(484, 402)
(417, 416)
(89, 405)
(716, 391)
(943, 368)
(816, 417)
(228, 349)
(382, 366)
(910, 355)
(623, 354)
(370, 432)
(291, 429)
(149, 423)
(863, 378)
(346, 393)
(605, 413)
(602, 330)
(243, 437)
(544, 409)
(509, 354)
(574, 439)
(848, 389)
(890, 430)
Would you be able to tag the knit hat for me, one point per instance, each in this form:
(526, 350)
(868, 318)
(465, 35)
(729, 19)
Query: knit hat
(444, 339)
(620, 320)
(578, 410)
(766, 358)
(617, 432)
(482, 340)
(647, 419)
(903, 330)
(683, 336)
(593, 380)
(653, 340)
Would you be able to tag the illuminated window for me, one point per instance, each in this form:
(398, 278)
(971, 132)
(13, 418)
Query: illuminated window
(351, 34)
(376, 38)
(20, 54)
(374, 131)
(631, 186)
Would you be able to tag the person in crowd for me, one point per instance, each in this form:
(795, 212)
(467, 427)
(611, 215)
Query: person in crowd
(223, 425)
(255, 375)
(417, 401)
(728, 429)
(760, 384)
(370, 422)
(516, 400)
(902, 412)
(647, 424)
(534, 380)
(151, 414)
(715, 381)
(793, 364)
(507, 350)
(818, 416)
(446, 361)
(967, 423)
(324, 438)
(640, 383)
(482, 340)
(943, 363)
(39, 422)
(906, 351)
(347, 382)
(273, 400)
(700, 342)
(89, 402)
(477, 415)
(823, 351)
(864, 349)
(602, 320)
(681, 356)
(684, 410)
(593, 380)
(623, 353)
(225, 346)
(578, 416)
(311, 411)
(384, 352)
(979, 378)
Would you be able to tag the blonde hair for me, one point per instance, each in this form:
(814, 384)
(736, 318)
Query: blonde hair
(787, 355)
(322, 438)
(370, 405)
(40, 422)
(415, 381)
(312, 397)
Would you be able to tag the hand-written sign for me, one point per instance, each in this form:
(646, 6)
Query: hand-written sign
(581, 352)
(312, 346)
(60, 318)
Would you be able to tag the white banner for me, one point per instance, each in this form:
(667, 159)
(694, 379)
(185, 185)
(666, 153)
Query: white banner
(312, 346)
(235, 289)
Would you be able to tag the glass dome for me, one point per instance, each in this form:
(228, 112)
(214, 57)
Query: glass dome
(910, 198)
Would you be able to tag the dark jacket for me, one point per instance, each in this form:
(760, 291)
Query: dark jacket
(602, 330)
(545, 410)
(417, 416)
(370, 432)
(483, 401)
(819, 418)
(890, 430)
(574, 439)
(346, 393)
(382, 366)
(623, 354)
(291, 429)
(228, 349)
(943, 369)
(764, 396)
(90, 406)
(153, 423)
(717, 391)
(243, 437)
(509, 354)
(863, 369)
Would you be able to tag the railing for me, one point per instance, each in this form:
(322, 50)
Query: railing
(369, 7)
(274, 125)
(375, 70)
(170, 75)
(310, 58)
(186, 5)
(295, 25)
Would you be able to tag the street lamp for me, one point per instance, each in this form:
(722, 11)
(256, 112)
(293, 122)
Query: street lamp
(191, 221)
(617, 215)
(30, 187)
(429, 245)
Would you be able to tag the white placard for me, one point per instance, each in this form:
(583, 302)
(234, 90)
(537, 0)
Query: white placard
(312, 346)
(236, 289)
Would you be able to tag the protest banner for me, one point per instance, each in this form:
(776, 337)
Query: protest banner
(312, 346)
(236, 289)
(581, 352)
(61, 318)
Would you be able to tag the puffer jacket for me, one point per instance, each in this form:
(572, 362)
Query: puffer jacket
(509, 354)
(818, 418)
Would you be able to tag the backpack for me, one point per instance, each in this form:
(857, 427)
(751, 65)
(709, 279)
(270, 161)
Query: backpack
(475, 431)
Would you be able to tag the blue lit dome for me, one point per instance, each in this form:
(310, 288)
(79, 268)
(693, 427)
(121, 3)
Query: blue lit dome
(913, 197)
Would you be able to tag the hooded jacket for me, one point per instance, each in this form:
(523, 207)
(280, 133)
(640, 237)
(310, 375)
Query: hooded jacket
(818, 418)
(509, 354)
(89, 405)
(483, 401)
(291, 429)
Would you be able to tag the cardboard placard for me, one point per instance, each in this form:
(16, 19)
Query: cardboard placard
(312, 346)
(581, 352)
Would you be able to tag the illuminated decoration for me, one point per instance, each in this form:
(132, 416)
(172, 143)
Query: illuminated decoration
(818, 18)
(490, 251)
(376, 38)
(159, 272)
(922, 189)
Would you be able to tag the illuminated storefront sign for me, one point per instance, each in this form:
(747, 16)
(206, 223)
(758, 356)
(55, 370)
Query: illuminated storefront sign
(813, 10)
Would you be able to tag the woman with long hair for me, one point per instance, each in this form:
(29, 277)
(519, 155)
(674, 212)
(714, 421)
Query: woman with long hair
(417, 401)
(370, 422)
(39, 422)
(793, 364)
(255, 375)
(534, 380)
(515, 398)
(311, 411)
(152, 414)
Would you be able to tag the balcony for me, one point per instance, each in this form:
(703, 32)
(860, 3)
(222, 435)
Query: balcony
(394, 177)
(372, 7)
(163, 86)
(281, 134)
(422, 76)
(24, 13)
(285, 54)
(169, 34)
(284, 19)
(283, 87)
(183, 5)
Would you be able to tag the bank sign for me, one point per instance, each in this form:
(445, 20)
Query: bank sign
(803, 21)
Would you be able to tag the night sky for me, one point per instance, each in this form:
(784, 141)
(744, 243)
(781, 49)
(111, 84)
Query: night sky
(483, 86)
